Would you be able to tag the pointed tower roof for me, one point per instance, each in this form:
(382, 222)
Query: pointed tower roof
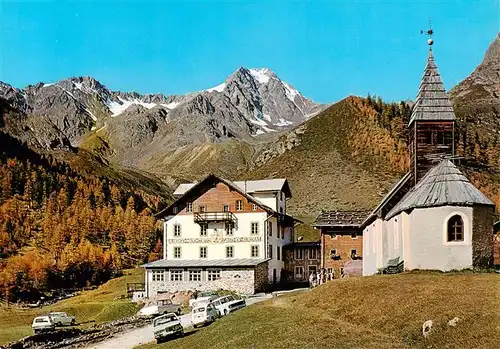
(432, 102)
(443, 185)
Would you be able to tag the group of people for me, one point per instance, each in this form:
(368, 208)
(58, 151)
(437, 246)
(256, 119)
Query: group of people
(319, 278)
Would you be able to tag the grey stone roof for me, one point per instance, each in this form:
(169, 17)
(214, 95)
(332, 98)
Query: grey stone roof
(432, 102)
(200, 263)
(249, 187)
(443, 185)
(340, 219)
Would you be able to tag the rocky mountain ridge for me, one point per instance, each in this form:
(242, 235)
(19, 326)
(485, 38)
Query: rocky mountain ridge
(249, 103)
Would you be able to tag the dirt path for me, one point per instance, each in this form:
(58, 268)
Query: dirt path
(138, 336)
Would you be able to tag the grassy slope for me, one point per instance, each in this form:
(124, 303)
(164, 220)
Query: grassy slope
(327, 170)
(100, 305)
(370, 312)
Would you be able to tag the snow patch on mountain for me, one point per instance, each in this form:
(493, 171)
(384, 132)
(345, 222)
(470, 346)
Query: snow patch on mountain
(282, 123)
(260, 75)
(258, 121)
(290, 92)
(116, 108)
(218, 88)
(171, 105)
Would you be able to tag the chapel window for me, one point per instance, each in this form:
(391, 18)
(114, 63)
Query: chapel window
(456, 228)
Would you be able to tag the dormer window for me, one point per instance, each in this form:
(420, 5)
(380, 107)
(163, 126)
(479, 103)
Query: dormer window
(175, 210)
(189, 207)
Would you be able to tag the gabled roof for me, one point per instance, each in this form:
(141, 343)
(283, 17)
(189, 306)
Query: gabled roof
(265, 185)
(378, 211)
(191, 194)
(348, 219)
(432, 102)
(443, 185)
(257, 186)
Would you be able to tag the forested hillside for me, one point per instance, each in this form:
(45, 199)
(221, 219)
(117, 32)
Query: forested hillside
(64, 229)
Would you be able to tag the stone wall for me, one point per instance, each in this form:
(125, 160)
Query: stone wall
(482, 236)
(261, 276)
(240, 280)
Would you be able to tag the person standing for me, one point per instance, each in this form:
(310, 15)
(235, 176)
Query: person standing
(311, 280)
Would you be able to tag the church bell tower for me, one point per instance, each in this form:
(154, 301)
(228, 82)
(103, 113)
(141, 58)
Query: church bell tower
(432, 122)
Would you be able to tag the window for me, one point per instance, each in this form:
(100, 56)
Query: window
(334, 236)
(229, 228)
(195, 275)
(299, 253)
(176, 274)
(312, 253)
(354, 253)
(213, 274)
(333, 252)
(203, 252)
(254, 207)
(456, 228)
(175, 210)
(202, 208)
(428, 138)
(396, 235)
(311, 269)
(329, 270)
(158, 275)
(177, 230)
(299, 273)
(444, 138)
(281, 209)
(229, 251)
(239, 205)
(354, 235)
(270, 251)
(189, 207)
(282, 232)
(203, 230)
(177, 252)
(255, 251)
(270, 228)
(225, 208)
(254, 228)
(278, 253)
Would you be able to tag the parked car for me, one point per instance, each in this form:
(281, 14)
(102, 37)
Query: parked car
(166, 326)
(60, 319)
(203, 298)
(204, 314)
(159, 307)
(228, 304)
(42, 324)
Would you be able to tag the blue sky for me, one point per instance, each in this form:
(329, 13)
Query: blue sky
(327, 50)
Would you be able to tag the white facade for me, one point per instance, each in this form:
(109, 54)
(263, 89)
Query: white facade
(419, 239)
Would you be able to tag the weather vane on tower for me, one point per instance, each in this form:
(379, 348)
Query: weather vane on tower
(428, 32)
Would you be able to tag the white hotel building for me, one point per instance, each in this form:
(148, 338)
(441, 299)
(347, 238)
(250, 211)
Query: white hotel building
(220, 234)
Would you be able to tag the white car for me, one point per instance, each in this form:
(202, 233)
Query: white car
(167, 326)
(203, 298)
(159, 307)
(204, 314)
(62, 319)
(42, 324)
(228, 304)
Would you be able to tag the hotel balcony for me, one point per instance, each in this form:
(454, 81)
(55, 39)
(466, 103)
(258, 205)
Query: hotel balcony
(206, 217)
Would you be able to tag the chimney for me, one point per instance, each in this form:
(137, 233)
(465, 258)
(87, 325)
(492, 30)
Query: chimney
(245, 187)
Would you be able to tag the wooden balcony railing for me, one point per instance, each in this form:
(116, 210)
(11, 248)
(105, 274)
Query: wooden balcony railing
(204, 217)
